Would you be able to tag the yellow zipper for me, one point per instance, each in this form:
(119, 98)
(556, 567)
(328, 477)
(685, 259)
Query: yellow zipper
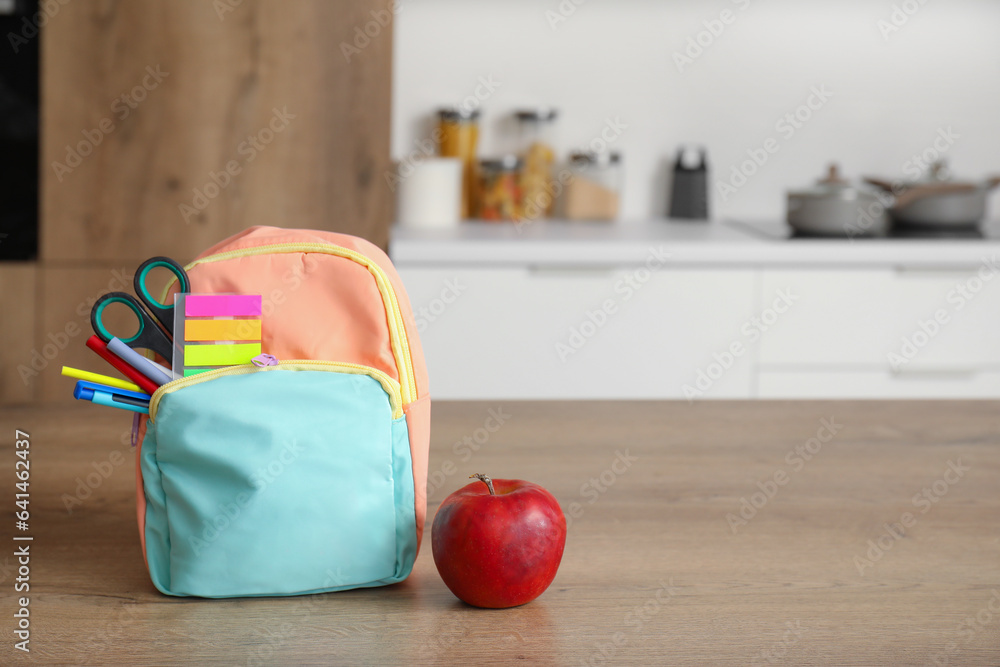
(391, 386)
(397, 330)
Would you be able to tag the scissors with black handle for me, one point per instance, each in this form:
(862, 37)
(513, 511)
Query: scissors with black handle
(150, 335)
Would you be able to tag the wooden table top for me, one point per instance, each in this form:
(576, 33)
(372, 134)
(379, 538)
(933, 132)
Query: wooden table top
(660, 565)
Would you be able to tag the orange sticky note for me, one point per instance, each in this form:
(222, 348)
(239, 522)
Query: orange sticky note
(208, 330)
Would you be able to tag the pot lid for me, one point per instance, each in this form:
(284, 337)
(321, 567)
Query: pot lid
(833, 185)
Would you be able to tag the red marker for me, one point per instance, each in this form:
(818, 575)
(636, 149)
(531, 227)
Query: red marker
(101, 348)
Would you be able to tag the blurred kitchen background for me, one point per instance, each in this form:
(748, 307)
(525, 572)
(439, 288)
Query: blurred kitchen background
(616, 60)
(607, 267)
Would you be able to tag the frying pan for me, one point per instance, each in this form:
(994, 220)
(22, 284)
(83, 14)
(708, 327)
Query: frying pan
(938, 202)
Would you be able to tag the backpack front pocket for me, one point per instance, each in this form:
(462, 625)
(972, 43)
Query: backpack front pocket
(281, 480)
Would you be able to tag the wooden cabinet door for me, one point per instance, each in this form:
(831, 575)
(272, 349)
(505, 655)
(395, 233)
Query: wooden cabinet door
(167, 126)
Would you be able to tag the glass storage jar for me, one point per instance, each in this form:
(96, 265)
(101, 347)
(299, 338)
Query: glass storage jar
(536, 129)
(499, 193)
(458, 136)
(593, 190)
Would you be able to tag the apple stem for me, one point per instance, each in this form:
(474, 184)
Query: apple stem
(484, 478)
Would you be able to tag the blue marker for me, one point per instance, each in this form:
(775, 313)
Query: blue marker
(112, 397)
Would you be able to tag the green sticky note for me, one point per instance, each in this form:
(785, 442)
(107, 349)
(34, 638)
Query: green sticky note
(220, 355)
(188, 372)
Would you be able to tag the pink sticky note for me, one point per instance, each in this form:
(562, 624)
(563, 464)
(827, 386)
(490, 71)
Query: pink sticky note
(222, 305)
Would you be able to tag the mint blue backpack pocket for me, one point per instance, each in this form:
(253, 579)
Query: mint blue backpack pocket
(281, 480)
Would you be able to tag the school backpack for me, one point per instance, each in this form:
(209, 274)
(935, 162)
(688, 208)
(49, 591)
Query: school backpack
(307, 475)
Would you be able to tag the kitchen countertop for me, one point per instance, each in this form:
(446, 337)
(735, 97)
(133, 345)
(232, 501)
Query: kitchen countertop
(718, 243)
(653, 573)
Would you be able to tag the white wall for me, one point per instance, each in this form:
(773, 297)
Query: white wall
(614, 58)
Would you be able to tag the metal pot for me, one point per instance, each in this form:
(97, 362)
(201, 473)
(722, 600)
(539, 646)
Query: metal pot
(835, 207)
(938, 201)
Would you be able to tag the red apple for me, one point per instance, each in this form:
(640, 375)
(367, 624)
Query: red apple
(497, 543)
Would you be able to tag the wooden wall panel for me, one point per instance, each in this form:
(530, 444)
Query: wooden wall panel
(68, 295)
(220, 80)
(18, 379)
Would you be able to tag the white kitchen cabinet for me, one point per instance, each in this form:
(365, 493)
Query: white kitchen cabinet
(547, 333)
(940, 321)
(890, 333)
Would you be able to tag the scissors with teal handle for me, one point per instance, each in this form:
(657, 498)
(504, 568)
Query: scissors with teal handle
(150, 335)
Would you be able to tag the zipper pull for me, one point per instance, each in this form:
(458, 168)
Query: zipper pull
(265, 360)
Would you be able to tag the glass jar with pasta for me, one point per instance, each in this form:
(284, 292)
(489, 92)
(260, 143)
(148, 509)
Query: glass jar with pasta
(536, 129)
(498, 194)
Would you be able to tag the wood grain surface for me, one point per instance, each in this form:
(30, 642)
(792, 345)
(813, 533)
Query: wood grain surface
(653, 573)
(146, 103)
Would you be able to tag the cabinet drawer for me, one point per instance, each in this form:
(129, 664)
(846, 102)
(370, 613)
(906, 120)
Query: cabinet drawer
(943, 384)
(535, 333)
(929, 319)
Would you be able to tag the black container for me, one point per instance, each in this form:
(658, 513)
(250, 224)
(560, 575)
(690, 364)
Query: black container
(689, 191)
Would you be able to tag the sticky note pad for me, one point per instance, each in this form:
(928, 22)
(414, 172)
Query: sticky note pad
(222, 305)
(216, 330)
(212, 330)
(220, 355)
